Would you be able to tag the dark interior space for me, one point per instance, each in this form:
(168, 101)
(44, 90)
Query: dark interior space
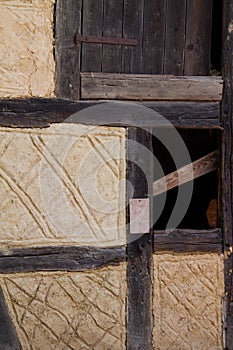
(202, 213)
(216, 38)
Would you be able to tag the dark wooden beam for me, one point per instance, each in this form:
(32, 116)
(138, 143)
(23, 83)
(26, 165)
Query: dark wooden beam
(8, 336)
(227, 169)
(67, 52)
(32, 113)
(59, 259)
(140, 248)
(188, 241)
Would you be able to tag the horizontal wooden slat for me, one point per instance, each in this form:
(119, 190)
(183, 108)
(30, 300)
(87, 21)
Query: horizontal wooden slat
(32, 113)
(150, 87)
(187, 173)
(188, 241)
(59, 259)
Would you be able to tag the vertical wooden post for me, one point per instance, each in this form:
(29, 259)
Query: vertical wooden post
(139, 248)
(227, 166)
(67, 52)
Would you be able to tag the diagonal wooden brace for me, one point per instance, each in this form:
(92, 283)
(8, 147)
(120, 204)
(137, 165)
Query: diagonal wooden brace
(187, 173)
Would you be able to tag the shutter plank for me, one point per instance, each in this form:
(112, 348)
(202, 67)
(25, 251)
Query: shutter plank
(67, 53)
(112, 27)
(132, 29)
(198, 37)
(175, 37)
(154, 36)
(92, 25)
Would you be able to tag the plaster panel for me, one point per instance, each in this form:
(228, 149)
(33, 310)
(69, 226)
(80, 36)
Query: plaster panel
(63, 185)
(73, 311)
(26, 48)
(188, 292)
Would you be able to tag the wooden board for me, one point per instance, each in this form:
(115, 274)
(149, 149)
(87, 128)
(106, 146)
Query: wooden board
(150, 87)
(198, 37)
(32, 113)
(112, 27)
(67, 53)
(60, 259)
(227, 172)
(92, 24)
(153, 36)
(188, 241)
(132, 29)
(175, 37)
(139, 250)
(187, 173)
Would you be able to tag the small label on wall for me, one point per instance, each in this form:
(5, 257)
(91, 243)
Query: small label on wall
(139, 215)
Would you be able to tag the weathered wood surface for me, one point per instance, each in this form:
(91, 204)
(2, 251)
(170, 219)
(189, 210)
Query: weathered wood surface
(187, 173)
(198, 37)
(59, 259)
(188, 241)
(175, 37)
(33, 113)
(150, 87)
(154, 35)
(67, 53)
(139, 249)
(132, 29)
(112, 27)
(227, 168)
(92, 24)
(8, 336)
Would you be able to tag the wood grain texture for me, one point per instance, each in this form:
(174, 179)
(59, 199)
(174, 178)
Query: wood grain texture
(227, 166)
(92, 24)
(150, 87)
(139, 249)
(188, 241)
(32, 113)
(198, 37)
(112, 27)
(175, 37)
(153, 37)
(59, 259)
(187, 173)
(8, 336)
(132, 29)
(67, 53)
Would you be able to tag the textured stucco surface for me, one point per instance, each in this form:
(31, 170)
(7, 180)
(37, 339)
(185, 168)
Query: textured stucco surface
(26, 48)
(188, 291)
(73, 311)
(62, 185)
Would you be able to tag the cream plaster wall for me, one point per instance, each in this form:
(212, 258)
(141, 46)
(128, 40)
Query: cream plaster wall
(62, 185)
(188, 292)
(72, 311)
(26, 48)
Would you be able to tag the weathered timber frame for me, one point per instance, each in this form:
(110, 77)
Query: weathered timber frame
(139, 249)
(227, 170)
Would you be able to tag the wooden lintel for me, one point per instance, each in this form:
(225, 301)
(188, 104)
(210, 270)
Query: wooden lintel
(188, 241)
(187, 173)
(59, 259)
(150, 87)
(33, 113)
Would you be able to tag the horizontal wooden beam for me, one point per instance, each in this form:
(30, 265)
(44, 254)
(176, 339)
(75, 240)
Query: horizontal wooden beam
(187, 173)
(32, 113)
(188, 241)
(150, 87)
(60, 259)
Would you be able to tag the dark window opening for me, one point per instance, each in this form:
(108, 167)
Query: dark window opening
(202, 213)
(216, 38)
